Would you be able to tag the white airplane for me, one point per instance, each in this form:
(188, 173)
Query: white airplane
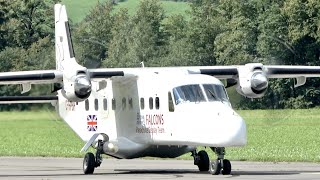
(159, 112)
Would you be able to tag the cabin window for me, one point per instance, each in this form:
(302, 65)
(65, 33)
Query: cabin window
(157, 103)
(113, 104)
(105, 104)
(142, 103)
(86, 104)
(151, 103)
(96, 104)
(130, 103)
(124, 103)
(170, 102)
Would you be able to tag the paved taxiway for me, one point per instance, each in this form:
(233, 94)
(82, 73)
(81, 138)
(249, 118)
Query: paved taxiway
(71, 168)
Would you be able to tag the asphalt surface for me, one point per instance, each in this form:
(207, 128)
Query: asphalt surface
(71, 168)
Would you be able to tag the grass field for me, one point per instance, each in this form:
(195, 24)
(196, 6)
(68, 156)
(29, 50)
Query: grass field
(77, 10)
(273, 135)
(280, 135)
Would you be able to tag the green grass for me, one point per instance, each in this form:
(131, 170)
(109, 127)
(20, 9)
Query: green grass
(281, 135)
(37, 134)
(273, 135)
(77, 10)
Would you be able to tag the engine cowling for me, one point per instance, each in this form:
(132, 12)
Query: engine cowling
(78, 88)
(252, 82)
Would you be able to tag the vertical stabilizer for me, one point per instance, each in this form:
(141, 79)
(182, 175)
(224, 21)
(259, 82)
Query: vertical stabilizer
(65, 58)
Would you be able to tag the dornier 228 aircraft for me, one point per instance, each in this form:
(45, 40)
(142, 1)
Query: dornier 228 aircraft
(159, 112)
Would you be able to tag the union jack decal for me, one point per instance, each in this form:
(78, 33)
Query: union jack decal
(92, 124)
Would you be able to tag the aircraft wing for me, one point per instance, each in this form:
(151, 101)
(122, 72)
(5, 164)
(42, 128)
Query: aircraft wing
(221, 72)
(31, 77)
(26, 78)
(292, 71)
(271, 71)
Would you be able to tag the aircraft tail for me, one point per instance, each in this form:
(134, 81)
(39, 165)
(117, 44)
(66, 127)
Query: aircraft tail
(65, 57)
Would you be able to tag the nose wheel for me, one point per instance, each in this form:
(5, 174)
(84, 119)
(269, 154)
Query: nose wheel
(90, 162)
(220, 165)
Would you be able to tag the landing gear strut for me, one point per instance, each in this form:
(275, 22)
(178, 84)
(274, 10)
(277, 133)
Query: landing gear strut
(220, 165)
(90, 162)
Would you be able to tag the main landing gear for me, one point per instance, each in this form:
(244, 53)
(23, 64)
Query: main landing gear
(90, 162)
(215, 167)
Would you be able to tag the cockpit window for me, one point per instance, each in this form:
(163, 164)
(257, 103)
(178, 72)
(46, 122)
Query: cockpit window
(188, 93)
(215, 92)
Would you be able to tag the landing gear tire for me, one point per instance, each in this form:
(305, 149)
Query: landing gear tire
(215, 167)
(226, 169)
(204, 161)
(89, 163)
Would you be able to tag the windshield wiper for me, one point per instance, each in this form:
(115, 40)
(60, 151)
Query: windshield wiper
(212, 94)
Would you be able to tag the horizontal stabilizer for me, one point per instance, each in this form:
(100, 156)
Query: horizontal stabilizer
(27, 99)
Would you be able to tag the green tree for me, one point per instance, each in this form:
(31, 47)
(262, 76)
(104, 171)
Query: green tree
(236, 43)
(3, 20)
(205, 24)
(146, 38)
(288, 35)
(27, 29)
(29, 21)
(139, 38)
(179, 50)
(118, 47)
(93, 34)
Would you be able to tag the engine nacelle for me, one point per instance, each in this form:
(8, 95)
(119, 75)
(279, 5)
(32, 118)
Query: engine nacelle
(252, 82)
(78, 88)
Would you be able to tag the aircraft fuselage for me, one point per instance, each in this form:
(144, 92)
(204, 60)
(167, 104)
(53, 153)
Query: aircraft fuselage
(142, 115)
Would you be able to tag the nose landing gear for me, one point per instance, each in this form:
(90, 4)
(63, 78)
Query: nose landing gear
(90, 162)
(220, 165)
(215, 167)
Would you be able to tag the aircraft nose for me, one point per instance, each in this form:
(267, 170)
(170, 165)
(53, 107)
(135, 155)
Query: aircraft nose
(239, 137)
(233, 132)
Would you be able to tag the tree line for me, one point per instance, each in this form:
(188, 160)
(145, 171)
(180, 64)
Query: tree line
(213, 32)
